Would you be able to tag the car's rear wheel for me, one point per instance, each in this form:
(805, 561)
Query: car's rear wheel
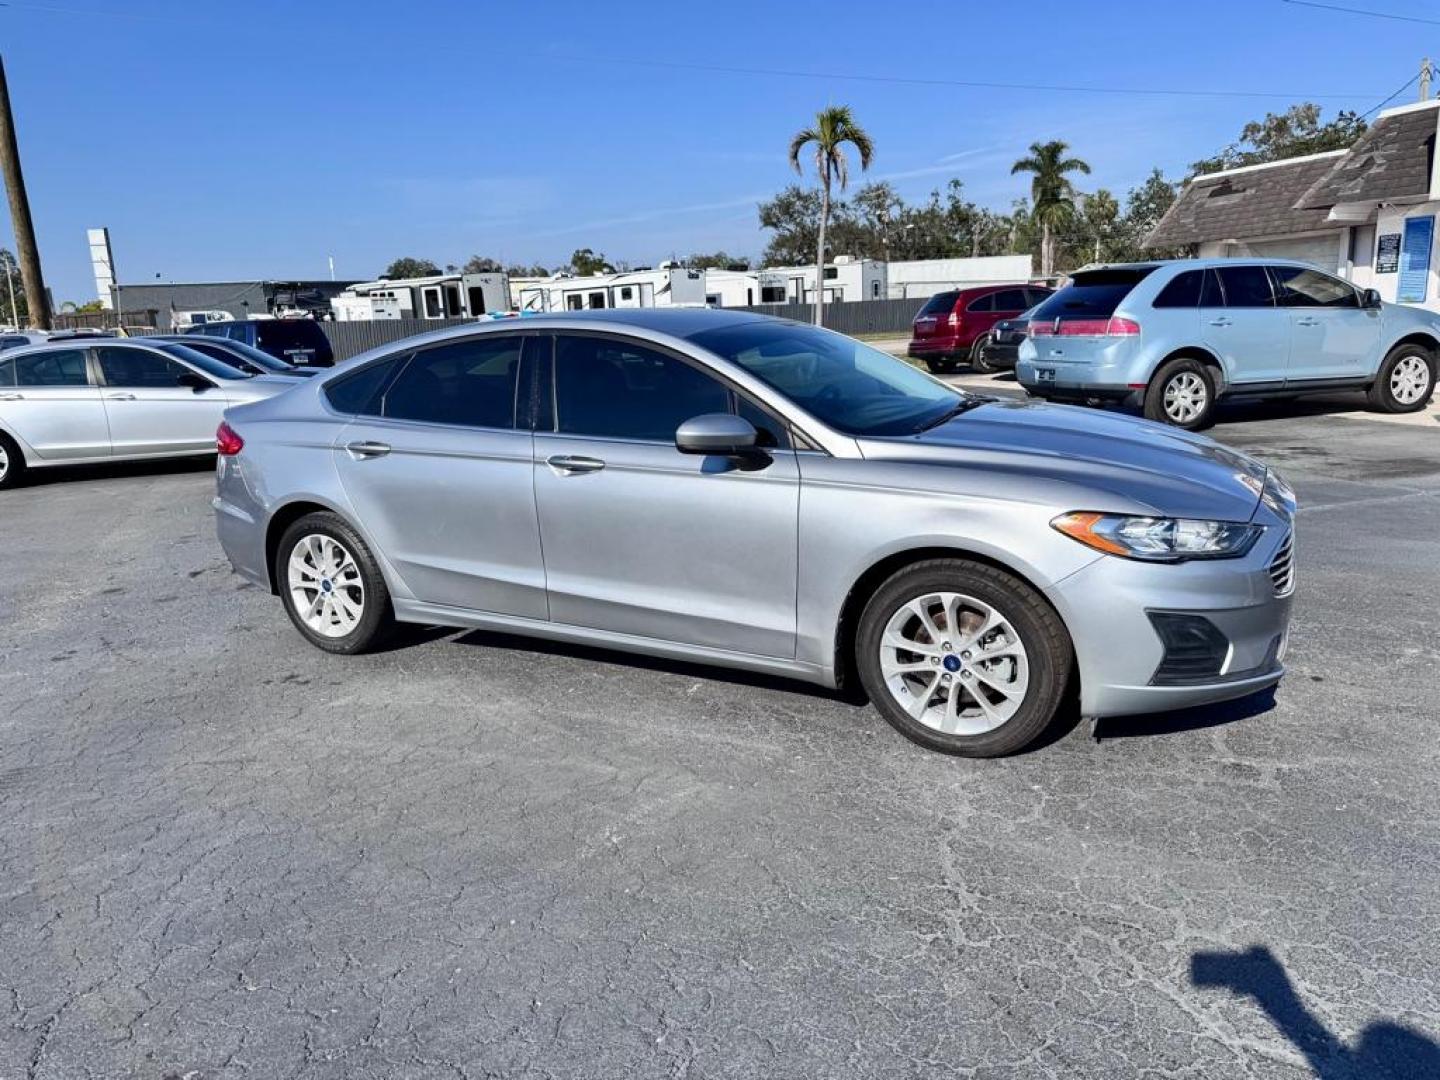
(12, 463)
(962, 657)
(941, 365)
(331, 585)
(1181, 393)
(1405, 381)
(977, 356)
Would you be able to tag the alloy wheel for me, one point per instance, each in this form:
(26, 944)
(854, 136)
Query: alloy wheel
(1409, 379)
(1186, 397)
(325, 585)
(954, 663)
(4, 462)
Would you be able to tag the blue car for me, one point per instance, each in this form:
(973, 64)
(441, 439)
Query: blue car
(1174, 337)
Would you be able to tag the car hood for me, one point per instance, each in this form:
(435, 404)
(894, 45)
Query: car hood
(1169, 471)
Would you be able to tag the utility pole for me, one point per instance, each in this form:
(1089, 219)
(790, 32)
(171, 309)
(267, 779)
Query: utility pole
(1425, 79)
(36, 299)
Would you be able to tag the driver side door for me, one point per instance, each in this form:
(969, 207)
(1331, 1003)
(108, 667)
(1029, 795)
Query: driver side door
(641, 539)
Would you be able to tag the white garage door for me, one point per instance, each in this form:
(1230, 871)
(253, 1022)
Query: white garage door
(1322, 251)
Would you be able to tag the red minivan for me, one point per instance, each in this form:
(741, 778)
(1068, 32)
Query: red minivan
(953, 325)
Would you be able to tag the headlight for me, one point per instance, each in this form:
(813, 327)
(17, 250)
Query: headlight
(1158, 539)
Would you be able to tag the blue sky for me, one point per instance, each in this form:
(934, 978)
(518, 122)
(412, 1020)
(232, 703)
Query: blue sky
(224, 141)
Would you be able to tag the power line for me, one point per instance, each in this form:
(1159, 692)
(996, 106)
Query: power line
(1363, 11)
(960, 83)
(1403, 87)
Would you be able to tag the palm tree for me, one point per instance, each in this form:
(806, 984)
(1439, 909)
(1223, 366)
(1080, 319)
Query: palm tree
(1052, 198)
(834, 127)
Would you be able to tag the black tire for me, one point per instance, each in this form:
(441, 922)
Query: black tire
(1389, 380)
(941, 365)
(1189, 377)
(977, 356)
(1047, 646)
(12, 463)
(376, 621)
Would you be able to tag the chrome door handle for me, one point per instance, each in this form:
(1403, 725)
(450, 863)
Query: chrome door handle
(1221, 321)
(1307, 322)
(572, 464)
(362, 451)
(12, 397)
(120, 397)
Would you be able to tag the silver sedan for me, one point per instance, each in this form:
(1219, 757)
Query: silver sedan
(743, 491)
(109, 400)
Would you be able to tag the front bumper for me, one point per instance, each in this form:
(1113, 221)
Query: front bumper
(1108, 607)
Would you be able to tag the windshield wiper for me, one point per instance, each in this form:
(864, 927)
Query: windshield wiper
(964, 405)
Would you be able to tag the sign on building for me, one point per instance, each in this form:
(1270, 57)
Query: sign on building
(1387, 254)
(1415, 259)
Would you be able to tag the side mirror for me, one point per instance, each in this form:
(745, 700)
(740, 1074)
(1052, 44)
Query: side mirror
(198, 383)
(1370, 298)
(717, 433)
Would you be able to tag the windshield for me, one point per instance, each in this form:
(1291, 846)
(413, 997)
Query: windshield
(207, 364)
(841, 382)
(262, 360)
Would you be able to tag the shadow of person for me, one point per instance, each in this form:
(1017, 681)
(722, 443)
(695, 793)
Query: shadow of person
(1386, 1051)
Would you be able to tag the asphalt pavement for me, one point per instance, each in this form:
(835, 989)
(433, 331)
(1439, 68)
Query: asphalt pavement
(226, 854)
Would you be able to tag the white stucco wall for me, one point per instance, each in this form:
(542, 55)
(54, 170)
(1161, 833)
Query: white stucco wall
(1391, 219)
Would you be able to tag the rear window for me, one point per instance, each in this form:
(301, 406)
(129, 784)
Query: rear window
(940, 304)
(290, 333)
(1092, 294)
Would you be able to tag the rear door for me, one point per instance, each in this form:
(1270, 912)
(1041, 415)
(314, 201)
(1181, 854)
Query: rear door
(48, 401)
(641, 539)
(151, 408)
(1250, 333)
(1331, 335)
(437, 466)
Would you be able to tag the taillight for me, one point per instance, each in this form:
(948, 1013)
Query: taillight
(953, 321)
(1112, 327)
(228, 441)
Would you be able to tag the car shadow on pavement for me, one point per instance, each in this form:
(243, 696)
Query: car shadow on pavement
(1385, 1051)
(1193, 719)
(491, 639)
(69, 474)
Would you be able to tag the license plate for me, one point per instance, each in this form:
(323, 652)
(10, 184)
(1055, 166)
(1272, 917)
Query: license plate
(1045, 374)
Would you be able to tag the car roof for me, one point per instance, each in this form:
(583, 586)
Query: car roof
(1195, 264)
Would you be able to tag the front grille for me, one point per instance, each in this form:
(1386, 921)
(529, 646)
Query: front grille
(1282, 567)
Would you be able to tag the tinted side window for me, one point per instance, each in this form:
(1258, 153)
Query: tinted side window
(63, 367)
(772, 431)
(984, 303)
(1210, 294)
(7, 373)
(1038, 295)
(1299, 287)
(1182, 292)
(624, 391)
(468, 382)
(13, 342)
(139, 368)
(1011, 300)
(1246, 286)
(357, 394)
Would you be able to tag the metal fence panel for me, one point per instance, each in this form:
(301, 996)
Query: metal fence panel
(853, 316)
(349, 339)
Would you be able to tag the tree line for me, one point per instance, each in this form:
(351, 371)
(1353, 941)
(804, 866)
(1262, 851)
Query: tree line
(1058, 224)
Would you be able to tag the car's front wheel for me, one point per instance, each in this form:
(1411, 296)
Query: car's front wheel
(962, 657)
(1405, 381)
(331, 585)
(1181, 393)
(12, 462)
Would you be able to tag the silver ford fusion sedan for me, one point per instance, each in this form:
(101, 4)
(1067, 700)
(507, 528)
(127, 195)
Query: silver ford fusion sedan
(738, 490)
